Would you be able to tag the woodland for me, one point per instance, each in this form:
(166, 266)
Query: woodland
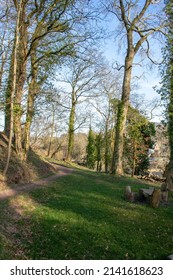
(75, 119)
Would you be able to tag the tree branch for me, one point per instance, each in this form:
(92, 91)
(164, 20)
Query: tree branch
(117, 66)
(123, 15)
(141, 14)
(148, 55)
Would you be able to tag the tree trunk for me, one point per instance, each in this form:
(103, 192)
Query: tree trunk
(169, 175)
(32, 92)
(8, 93)
(13, 75)
(56, 151)
(133, 25)
(29, 115)
(117, 160)
(107, 139)
(169, 167)
(169, 81)
(71, 128)
(106, 148)
(51, 135)
(21, 78)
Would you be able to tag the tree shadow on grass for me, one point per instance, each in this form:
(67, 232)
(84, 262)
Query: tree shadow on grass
(92, 220)
(84, 216)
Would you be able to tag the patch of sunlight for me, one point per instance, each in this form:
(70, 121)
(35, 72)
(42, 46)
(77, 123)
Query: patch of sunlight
(103, 182)
(62, 216)
(87, 195)
(127, 213)
(97, 196)
(22, 204)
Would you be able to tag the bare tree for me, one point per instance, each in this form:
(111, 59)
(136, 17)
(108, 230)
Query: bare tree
(79, 82)
(110, 90)
(140, 20)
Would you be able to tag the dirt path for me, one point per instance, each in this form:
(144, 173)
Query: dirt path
(61, 171)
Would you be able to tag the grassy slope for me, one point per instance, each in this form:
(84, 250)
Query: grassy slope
(84, 216)
(22, 173)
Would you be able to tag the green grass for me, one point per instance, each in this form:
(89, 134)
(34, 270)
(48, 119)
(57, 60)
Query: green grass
(84, 216)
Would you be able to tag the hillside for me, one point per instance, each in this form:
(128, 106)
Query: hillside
(22, 172)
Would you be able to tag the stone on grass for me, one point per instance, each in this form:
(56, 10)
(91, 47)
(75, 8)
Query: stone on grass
(129, 195)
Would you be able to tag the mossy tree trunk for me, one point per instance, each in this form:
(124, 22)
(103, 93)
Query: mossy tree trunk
(8, 94)
(32, 92)
(169, 174)
(91, 150)
(117, 160)
(107, 148)
(71, 127)
(107, 139)
(13, 83)
(21, 79)
(167, 90)
(169, 169)
(98, 151)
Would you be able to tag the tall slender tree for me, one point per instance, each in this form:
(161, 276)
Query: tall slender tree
(14, 82)
(139, 21)
(98, 150)
(91, 150)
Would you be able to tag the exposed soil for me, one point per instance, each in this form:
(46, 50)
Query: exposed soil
(61, 171)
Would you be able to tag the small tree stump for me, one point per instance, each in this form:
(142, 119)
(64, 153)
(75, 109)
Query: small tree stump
(164, 192)
(155, 198)
(145, 194)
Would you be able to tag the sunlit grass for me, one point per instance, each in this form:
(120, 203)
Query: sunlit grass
(84, 216)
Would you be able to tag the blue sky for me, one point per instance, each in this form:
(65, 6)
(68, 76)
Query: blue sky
(114, 50)
(149, 79)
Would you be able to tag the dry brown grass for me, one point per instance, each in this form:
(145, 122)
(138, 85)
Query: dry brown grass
(22, 172)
